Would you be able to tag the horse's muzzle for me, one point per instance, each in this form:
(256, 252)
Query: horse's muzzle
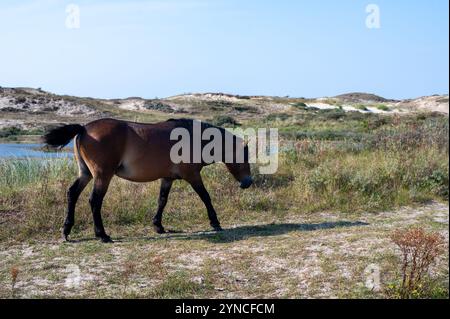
(246, 182)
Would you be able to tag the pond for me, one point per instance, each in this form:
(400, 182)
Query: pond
(11, 150)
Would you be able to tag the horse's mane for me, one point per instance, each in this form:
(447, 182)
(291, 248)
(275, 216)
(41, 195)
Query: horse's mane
(187, 123)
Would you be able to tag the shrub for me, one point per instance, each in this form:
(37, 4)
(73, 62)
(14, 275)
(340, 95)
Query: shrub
(158, 106)
(278, 116)
(357, 116)
(377, 122)
(383, 107)
(300, 105)
(419, 250)
(429, 132)
(10, 131)
(243, 109)
(20, 100)
(361, 107)
(278, 180)
(221, 120)
(326, 135)
(437, 183)
(332, 114)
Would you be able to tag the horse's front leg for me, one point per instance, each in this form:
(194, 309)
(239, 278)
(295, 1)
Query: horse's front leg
(166, 185)
(197, 185)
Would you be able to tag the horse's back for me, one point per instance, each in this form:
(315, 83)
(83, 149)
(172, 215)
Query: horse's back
(134, 151)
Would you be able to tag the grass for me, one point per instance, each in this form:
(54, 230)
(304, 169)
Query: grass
(361, 107)
(13, 133)
(345, 166)
(177, 286)
(383, 107)
(365, 170)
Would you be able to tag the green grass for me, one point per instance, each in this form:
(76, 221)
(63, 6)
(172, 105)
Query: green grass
(383, 107)
(361, 107)
(300, 105)
(14, 133)
(337, 170)
(177, 286)
(224, 120)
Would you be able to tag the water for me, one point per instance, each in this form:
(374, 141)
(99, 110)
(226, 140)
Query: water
(30, 150)
(11, 150)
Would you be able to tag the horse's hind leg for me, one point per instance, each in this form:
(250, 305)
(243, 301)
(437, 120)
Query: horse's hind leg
(72, 197)
(166, 185)
(101, 184)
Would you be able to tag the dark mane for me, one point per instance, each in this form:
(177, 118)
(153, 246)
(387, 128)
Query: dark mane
(180, 120)
(187, 123)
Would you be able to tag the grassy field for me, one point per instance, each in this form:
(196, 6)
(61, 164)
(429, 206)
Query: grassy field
(345, 182)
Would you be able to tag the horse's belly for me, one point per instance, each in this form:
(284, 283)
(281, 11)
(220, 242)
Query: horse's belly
(144, 162)
(138, 173)
(144, 168)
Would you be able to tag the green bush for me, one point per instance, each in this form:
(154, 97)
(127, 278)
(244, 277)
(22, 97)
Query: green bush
(10, 131)
(361, 107)
(383, 107)
(278, 117)
(222, 120)
(300, 105)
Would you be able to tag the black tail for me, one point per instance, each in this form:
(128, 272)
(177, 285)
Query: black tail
(61, 136)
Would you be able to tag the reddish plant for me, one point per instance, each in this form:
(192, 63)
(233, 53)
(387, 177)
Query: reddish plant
(419, 250)
(14, 274)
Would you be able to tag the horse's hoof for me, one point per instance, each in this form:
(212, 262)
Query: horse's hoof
(106, 239)
(66, 231)
(159, 230)
(217, 228)
(66, 238)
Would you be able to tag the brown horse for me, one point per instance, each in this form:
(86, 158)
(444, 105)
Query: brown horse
(140, 153)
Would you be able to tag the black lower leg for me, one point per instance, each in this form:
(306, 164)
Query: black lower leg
(96, 201)
(166, 185)
(72, 197)
(203, 193)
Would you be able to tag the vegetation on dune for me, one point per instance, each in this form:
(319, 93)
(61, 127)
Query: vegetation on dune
(383, 107)
(224, 120)
(402, 161)
(361, 107)
(300, 105)
(11, 133)
(332, 162)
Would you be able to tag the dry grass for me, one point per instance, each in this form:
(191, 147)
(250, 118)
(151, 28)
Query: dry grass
(316, 256)
(308, 231)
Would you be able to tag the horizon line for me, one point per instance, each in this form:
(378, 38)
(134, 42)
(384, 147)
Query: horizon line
(219, 93)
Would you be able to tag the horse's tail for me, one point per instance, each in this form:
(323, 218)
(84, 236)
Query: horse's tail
(61, 136)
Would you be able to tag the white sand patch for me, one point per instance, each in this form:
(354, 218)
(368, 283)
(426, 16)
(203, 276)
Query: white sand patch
(132, 104)
(350, 108)
(322, 106)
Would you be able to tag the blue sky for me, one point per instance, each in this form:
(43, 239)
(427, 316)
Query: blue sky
(162, 48)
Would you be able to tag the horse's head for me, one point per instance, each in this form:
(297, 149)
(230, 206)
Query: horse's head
(241, 171)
